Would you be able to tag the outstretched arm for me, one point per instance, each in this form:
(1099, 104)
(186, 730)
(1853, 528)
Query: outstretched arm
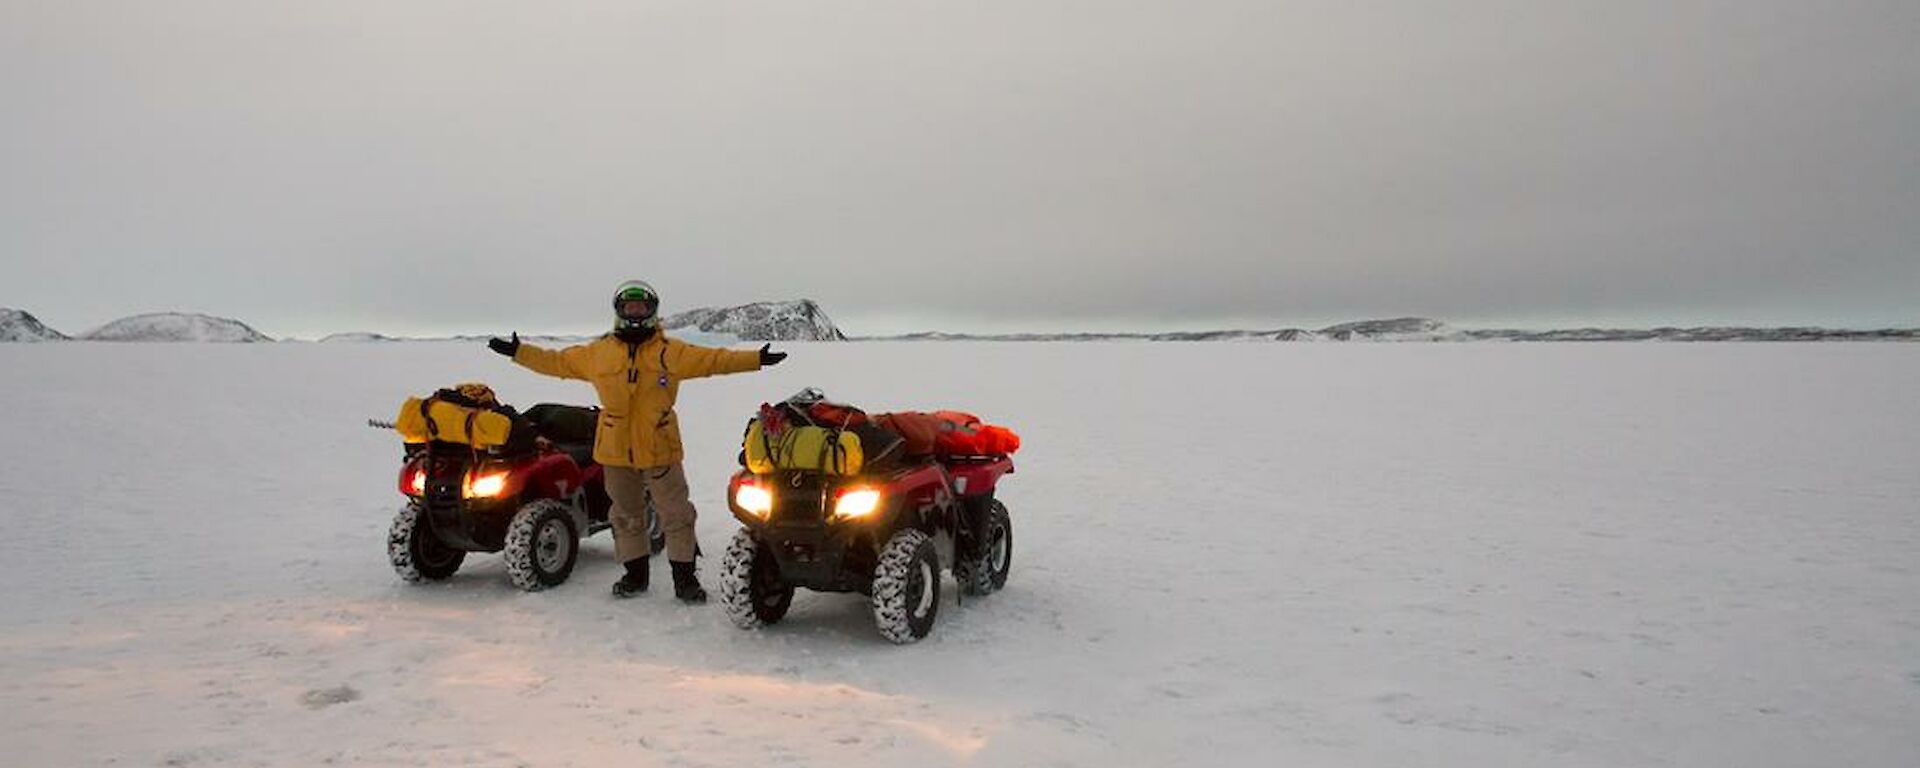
(691, 361)
(569, 363)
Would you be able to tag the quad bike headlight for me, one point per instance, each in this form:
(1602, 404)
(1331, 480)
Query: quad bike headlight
(487, 486)
(754, 499)
(857, 503)
(416, 484)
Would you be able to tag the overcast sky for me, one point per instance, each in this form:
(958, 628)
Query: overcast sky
(454, 165)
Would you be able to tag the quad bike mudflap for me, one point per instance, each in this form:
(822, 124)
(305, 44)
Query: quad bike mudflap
(531, 506)
(886, 535)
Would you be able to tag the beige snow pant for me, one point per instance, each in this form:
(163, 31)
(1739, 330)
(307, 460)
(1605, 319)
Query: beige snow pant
(628, 487)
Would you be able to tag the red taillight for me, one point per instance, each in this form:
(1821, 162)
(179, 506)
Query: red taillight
(413, 481)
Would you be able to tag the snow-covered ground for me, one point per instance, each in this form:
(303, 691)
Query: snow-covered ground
(1246, 554)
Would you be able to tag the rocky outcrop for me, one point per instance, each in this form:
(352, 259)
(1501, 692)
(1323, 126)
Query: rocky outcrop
(20, 325)
(176, 327)
(800, 320)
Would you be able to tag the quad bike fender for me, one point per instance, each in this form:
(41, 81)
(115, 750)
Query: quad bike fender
(978, 476)
(552, 476)
(924, 501)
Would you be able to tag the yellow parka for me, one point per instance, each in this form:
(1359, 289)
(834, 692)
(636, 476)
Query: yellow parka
(638, 384)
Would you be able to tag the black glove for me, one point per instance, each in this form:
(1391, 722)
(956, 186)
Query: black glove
(770, 357)
(502, 346)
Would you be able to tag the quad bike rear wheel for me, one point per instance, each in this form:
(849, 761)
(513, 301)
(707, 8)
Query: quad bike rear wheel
(986, 572)
(751, 589)
(542, 545)
(906, 587)
(416, 554)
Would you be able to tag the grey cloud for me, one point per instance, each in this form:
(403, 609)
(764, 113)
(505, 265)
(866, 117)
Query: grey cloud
(453, 165)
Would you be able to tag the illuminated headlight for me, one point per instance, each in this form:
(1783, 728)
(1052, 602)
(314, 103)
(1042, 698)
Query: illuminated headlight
(753, 499)
(858, 503)
(417, 483)
(487, 486)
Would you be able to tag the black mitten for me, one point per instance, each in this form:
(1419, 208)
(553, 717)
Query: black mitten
(770, 357)
(505, 347)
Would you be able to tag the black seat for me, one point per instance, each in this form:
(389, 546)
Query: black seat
(564, 423)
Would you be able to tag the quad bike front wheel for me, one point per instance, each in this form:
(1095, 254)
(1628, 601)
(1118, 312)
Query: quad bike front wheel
(986, 572)
(416, 554)
(542, 545)
(906, 587)
(751, 589)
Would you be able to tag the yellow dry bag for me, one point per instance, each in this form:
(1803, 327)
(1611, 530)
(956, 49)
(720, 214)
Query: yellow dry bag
(806, 449)
(435, 419)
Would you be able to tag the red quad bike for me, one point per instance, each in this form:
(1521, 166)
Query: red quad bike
(883, 533)
(533, 505)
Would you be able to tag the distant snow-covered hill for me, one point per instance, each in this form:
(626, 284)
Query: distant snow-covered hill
(171, 326)
(1397, 329)
(355, 337)
(800, 320)
(20, 325)
(1423, 329)
(1710, 333)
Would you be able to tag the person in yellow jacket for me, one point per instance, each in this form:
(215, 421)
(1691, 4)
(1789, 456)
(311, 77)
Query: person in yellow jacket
(637, 370)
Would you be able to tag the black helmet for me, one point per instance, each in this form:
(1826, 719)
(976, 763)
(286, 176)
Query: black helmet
(628, 317)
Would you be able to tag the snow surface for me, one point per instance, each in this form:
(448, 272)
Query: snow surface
(1258, 555)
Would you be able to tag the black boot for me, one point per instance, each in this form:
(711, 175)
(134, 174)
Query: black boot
(634, 581)
(685, 585)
